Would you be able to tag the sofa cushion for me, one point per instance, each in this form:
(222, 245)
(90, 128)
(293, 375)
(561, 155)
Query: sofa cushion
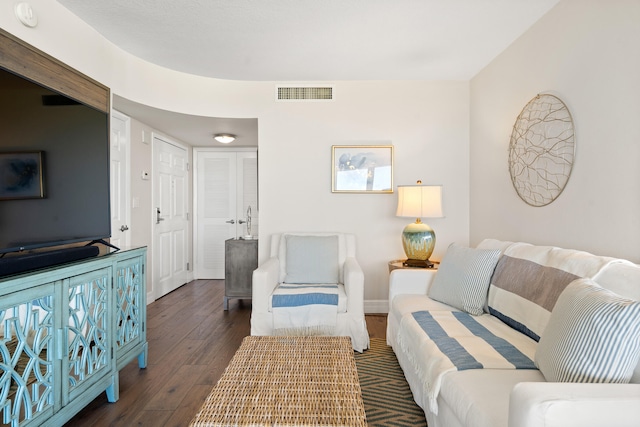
(480, 397)
(408, 303)
(593, 335)
(463, 278)
(496, 346)
(312, 259)
(528, 280)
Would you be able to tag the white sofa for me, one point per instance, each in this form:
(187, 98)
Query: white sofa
(496, 397)
(307, 257)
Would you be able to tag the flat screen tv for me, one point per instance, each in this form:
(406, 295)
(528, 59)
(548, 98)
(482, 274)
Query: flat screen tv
(54, 168)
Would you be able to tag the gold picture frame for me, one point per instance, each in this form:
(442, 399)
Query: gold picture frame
(362, 169)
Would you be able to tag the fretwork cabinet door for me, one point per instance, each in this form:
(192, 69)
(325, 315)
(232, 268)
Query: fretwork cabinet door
(130, 310)
(28, 371)
(88, 333)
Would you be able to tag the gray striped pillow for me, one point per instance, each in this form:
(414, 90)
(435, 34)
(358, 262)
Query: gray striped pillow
(463, 278)
(593, 336)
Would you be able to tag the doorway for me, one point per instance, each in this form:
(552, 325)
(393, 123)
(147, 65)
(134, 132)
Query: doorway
(169, 216)
(226, 190)
(120, 180)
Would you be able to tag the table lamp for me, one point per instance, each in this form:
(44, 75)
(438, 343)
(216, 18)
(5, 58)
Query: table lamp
(418, 239)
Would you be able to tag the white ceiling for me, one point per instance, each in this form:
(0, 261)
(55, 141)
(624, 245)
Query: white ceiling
(314, 40)
(197, 131)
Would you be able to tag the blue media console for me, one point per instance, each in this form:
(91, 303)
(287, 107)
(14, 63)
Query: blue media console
(66, 332)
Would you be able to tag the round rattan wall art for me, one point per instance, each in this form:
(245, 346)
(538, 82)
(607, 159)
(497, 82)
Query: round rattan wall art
(542, 150)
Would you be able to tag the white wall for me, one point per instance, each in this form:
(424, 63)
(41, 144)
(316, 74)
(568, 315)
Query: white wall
(427, 122)
(427, 125)
(588, 54)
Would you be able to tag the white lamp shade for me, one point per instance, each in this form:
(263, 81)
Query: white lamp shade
(420, 201)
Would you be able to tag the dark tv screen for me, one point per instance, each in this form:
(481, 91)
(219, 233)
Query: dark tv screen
(54, 168)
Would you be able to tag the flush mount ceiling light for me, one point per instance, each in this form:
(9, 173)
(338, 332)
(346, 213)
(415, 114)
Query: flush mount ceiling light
(224, 138)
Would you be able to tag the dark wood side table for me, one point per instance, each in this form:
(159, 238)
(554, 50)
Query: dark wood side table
(398, 264)
(240, 259)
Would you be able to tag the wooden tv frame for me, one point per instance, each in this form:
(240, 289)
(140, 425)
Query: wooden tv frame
(27, 61)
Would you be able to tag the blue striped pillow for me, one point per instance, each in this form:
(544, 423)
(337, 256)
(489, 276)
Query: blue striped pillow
(593, 336)
(463, 278)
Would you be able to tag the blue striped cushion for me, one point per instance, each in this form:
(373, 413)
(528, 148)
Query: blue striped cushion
(463, 278)
(593, 336)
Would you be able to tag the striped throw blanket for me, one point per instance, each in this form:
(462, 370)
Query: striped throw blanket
(305, 310)
(457, 341)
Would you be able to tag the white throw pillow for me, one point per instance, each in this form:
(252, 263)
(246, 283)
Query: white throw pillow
(463, 278)
(312, 259)
(593, 336)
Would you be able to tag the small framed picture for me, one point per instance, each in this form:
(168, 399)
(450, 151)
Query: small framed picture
(362, 169)
(21, 175)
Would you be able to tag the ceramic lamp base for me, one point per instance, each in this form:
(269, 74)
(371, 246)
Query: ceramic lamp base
(418, 241)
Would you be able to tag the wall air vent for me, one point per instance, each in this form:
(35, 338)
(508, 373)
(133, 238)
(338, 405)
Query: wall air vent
(305, 93)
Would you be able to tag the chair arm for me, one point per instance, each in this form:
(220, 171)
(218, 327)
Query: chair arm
(574, 405)
(354, 286)
(265, 280)
(410, 281)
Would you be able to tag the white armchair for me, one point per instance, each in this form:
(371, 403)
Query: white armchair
(307, 259)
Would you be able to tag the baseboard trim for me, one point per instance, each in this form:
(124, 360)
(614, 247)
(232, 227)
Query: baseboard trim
(376, 306)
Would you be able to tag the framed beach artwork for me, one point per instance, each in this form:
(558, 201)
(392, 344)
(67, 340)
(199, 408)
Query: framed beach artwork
(21, 175)
(362, 169)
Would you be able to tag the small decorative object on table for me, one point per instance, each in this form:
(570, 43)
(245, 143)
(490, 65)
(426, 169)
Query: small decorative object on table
(248, 236)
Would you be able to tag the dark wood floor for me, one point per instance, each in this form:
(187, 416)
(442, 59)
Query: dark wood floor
(191, 341)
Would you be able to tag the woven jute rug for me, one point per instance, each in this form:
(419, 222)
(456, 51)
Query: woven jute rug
(287, 382)
(387, 398)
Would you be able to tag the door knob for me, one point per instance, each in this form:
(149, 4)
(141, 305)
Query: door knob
(124, 228)
(158, 219)
(231, 221)
(241, 221)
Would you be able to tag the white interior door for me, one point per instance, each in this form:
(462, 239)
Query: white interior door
(226, 185)
(120, 180)
(170, 216)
